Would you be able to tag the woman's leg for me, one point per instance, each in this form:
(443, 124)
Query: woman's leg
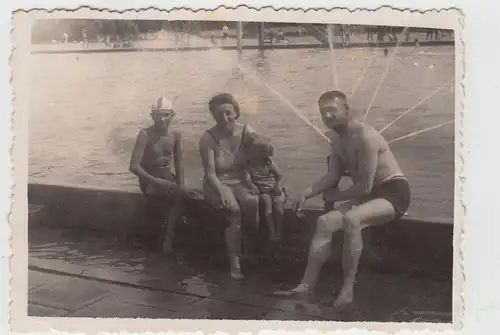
(232, 233)
(266, 203)
(249, 205)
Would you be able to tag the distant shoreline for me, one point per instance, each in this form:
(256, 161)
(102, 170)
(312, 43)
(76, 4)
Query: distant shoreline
(291, 46)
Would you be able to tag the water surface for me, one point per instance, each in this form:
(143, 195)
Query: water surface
(86, 110)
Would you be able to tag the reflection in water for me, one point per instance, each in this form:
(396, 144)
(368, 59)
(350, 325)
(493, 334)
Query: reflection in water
(197, 285)
(416, 105)
(298, 306)
(210, 292)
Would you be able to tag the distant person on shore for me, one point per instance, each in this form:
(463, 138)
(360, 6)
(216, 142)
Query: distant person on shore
(177, 37)
(225, 32)
(380, 193)
(428, 35)
(347, 32)
(391, 34)
(224, 183)
(342, 33)
(381, 31)
(266, 180)
(369, 34)
(157, 162)
(300, 31)
(85, 38)
(437, 34)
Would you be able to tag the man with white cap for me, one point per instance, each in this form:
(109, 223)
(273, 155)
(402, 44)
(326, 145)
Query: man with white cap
(157, 162)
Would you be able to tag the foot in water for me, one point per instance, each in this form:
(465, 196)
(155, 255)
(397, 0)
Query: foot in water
(237, 275)
(345, 297)
(301, 289)
(235, 271)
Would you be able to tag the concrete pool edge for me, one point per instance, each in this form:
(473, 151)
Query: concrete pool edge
(409, 246)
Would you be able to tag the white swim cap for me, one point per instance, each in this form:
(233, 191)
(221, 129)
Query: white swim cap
(163, 104)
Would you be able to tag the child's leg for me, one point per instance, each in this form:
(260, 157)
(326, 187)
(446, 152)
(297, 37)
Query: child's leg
(267, 208)
(278, 214)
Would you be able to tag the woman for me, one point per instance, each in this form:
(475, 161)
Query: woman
(224, 184)
(156, 152)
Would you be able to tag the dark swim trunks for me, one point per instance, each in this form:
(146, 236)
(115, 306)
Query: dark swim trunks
(397, 191)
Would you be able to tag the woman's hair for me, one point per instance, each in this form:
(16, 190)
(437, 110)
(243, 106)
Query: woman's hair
(224, 98)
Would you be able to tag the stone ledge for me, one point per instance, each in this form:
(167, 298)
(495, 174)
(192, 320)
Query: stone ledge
(408, 246)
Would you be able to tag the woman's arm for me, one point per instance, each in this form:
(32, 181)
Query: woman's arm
(208, 161)
(178, 159)
(135, 160)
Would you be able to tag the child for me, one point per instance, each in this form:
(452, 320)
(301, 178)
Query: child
(264, 178)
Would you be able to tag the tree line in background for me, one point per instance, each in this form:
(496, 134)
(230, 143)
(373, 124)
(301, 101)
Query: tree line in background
(77, 30)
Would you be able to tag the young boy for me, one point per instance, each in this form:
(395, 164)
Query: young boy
(264, 178)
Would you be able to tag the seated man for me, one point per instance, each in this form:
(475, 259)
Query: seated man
(380, 192)
(157, 162)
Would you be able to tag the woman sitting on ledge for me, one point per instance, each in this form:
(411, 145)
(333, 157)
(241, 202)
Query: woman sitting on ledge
(156, 150)
(224, 184)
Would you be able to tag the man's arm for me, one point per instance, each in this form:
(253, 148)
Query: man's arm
(330, 179)
(367, 166)
(178, 159)
(135, 161)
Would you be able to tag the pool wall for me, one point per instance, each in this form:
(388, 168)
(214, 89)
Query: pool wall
(409, 246)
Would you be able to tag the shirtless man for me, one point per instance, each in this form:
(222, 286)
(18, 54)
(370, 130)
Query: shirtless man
(379, 194)
(157, 162)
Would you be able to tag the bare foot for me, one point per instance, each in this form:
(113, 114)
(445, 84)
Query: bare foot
(237, 275)
(345, 297)
(301, 289)
(235, 271)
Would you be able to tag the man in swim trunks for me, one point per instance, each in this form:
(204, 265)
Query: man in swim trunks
(380, 192)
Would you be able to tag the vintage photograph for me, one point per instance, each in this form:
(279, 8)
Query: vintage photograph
(241, 170)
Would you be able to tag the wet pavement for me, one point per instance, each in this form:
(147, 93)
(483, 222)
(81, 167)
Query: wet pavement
(85, 274)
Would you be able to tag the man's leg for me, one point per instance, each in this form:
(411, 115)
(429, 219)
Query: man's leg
(373, 212)
(321, 245)
(173, 217)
